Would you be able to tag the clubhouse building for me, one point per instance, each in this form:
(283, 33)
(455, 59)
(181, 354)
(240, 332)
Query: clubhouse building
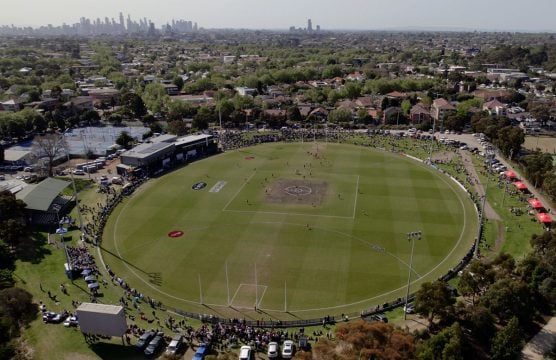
(166, 151)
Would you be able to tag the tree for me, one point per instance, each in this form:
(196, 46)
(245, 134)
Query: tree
(203, 117)
(475, 278)
(293, 114)
(509, 297)
(135, 104)
(352, 90)
(434, 300)
(340, 116)
(178, 81)
(154, 97)
(540, 112)
(446, 345)
(178, 127)
(479, 320)
(331, 71)
(368, 340)
(508, 342)
(18, 305)
(12, 230)
(510, 139)
(6, 279)
(179, 110)
(537, 167)
(125, 140)
(50, 146)
(549, 185)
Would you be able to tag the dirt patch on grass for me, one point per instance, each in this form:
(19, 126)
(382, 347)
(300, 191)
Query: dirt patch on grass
(443, 156)
(296, 191)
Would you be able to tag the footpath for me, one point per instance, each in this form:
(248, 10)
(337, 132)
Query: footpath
(541, 343)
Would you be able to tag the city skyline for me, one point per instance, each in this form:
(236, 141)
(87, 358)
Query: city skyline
(495, 15)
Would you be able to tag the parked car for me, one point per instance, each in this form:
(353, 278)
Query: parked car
(175, 345)
(143, 341)
(71, 321)
(201, 352)
(288, 349)
(52, 317)
(245, 353)
(379, 317)
(273, 350)
(78, 172)
(154, 345)
(409, 308)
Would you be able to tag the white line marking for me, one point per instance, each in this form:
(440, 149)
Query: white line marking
(287, 213)
(239, 190)
(355, 200)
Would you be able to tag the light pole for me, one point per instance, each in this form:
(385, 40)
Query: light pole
(411, 236)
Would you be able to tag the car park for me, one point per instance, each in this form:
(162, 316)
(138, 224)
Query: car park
(144, 340)
(154, 345)
(288, 349)
(245, 353)
(273, 350)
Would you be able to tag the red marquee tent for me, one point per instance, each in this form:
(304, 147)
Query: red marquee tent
(510, 174)
(544, 218)
(520, 185)
(535, 204)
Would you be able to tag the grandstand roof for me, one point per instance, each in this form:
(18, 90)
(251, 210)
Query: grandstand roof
(40, 196)
(186, 140)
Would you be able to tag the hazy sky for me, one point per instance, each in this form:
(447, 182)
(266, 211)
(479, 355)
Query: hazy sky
(528, 15)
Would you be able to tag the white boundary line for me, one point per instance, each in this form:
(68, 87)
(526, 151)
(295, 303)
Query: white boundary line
(233, 297)
(355, 200)
(238, 290)
(239, 190)
(301, 310)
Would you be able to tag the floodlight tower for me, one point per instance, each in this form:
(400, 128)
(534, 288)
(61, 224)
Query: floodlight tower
(411, 236)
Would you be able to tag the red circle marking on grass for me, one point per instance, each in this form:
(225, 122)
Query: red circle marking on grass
(249, 158)
(175, 233)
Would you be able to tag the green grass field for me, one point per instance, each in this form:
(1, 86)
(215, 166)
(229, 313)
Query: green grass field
(313, 229)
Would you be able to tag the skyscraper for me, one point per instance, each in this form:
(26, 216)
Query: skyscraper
(309, 25)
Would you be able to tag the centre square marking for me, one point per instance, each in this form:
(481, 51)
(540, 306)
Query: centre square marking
(296, 191)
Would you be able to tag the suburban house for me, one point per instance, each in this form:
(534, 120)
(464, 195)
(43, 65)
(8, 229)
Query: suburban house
(441, 108)
(391, 114)
(419, 113)
(171, 89)
(495, 107)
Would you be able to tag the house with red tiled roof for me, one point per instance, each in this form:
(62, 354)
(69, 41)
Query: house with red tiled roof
(364, 101)
(441, 108)
(419, 113)
(491, 94)
(495, 107)
(396, 95)
(320, 113)
(347, 104)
